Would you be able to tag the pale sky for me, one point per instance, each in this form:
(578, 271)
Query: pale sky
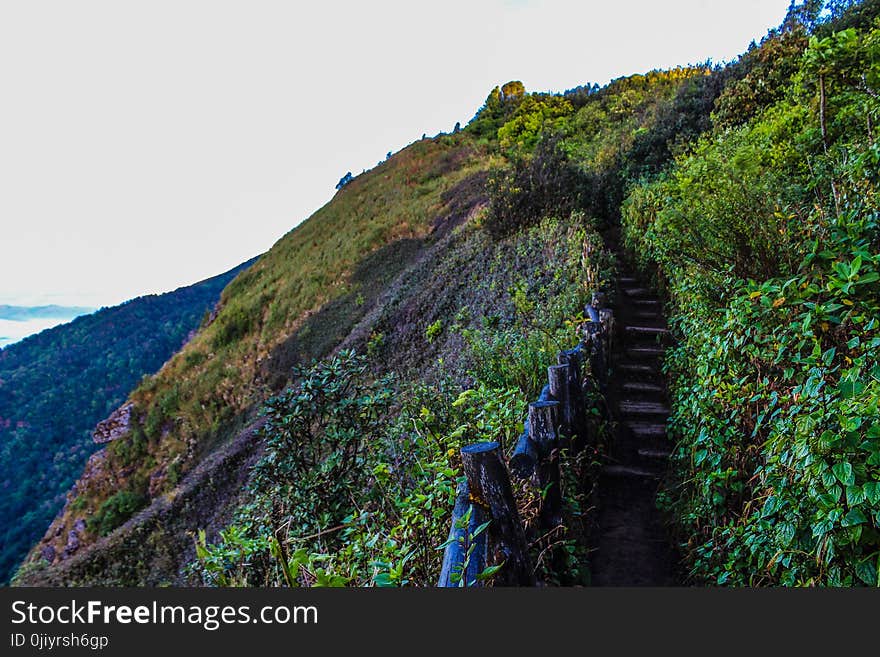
(148, 145)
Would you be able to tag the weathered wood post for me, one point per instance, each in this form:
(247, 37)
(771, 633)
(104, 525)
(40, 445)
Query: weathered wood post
(489, 485)
(579, 427)
(461, 540)
(606, 320)
(599, 302)
(525, 456)
(543, 420)
(560, 390)
(593, 337)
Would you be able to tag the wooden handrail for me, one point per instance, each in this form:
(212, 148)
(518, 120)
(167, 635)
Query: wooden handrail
(557, 419)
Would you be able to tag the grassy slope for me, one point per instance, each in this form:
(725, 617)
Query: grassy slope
(434, 320)
(206, 391)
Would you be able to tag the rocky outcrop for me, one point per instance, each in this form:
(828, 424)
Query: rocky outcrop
(65, 535)
(115, 426)
(73, 539)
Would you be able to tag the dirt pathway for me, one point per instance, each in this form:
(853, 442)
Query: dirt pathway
(634, 548)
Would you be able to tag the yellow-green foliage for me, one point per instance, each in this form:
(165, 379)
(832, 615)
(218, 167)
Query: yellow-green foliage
(535, 114)
(608, 124)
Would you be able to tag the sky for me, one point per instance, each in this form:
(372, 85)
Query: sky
(149, 145)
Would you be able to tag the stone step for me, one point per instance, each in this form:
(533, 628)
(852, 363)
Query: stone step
(642, 370)
(640, 292)
(645, 340)
(626, 534)
(650, 316)
(629, 472)
(646, 331)
(648, 453)
(642, 353)
(643, 388)
(635, 407)
(653, 303)
(646, 430)
(627, 280)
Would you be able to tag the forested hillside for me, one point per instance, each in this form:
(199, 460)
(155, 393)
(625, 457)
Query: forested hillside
(418, 310)
(57, 385)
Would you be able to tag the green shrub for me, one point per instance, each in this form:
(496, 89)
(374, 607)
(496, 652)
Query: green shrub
(776, 407)
(433, 331)
(130, 448)
(768, 236)
(535, 115)
(115, 510)
(232, 325)
(316, 435)
(533, 187)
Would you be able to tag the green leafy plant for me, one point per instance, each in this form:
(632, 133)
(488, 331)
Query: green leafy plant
(775, 384)
(433, 331)
(469, 544)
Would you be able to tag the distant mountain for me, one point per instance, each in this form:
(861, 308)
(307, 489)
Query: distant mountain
(18, 322)
(55, 386)
(23, 313)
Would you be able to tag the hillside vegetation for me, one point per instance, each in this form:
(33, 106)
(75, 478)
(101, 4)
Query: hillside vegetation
(269, 319)
(57, 385)
(418, 309)
(416, 264)
(767, 235)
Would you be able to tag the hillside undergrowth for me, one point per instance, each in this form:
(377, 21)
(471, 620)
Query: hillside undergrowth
(360, 472)
(767, 237)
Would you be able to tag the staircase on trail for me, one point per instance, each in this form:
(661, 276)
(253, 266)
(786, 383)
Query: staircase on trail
(632, 546)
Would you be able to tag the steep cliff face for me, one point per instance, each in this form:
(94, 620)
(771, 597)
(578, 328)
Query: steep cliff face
(189, 426)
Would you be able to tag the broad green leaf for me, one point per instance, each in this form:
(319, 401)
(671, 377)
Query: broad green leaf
(786, 533)
(489, 572)
(854, 495)
(828, 356)
(854, 517)
(479, 530)
(844, 473)
(855, 265)
(867, 571)
(383, 580)
(770, 506)
(849, 389)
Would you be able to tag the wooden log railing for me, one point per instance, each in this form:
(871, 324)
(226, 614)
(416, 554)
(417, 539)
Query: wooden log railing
(488, 536)
(466, 545)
